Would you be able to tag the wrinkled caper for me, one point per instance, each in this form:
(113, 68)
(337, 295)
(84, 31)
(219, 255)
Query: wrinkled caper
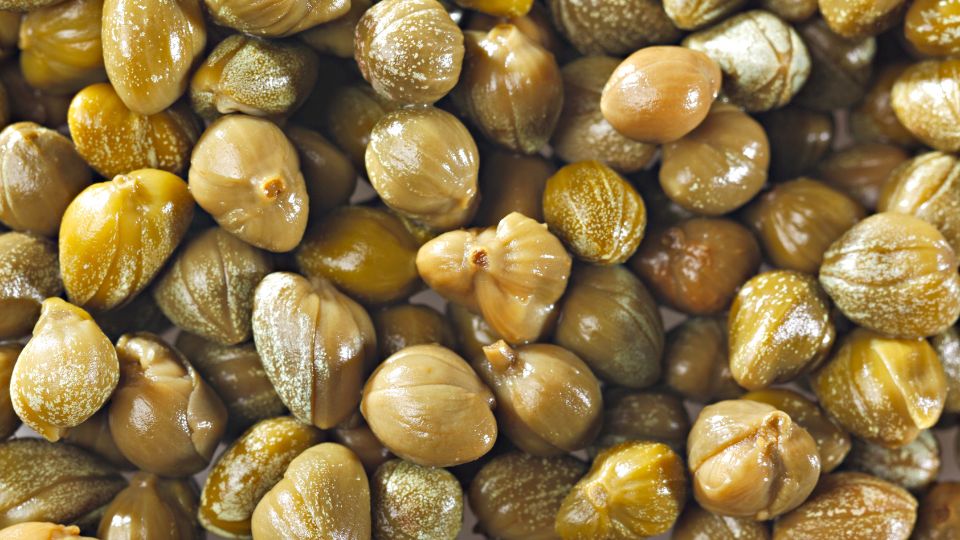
(411, 502)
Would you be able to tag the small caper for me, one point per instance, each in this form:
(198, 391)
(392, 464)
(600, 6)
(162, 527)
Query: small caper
(912, 466)
(411, 502)
(152, 505)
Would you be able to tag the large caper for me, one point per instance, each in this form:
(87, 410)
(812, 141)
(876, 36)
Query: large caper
(928, 187)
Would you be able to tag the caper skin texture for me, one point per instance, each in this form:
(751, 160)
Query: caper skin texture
(410, 51)
(912, 466)
(61, 483)
(659, 94)
(926, 100)
(851, 506)
(642, 416)
(597, 214)
(151, 508)
(60, 46)
(928, 187)
(412, 502)
(67, 351)
(939, 516)
(269, 18)
(694, 14)
(697, 265)
(512, 183)
(432, 388)
(696, 362)
(9, 421)
(930, 27)
(895, 274)
(748, 459)
(780, 327)
(29, 273)
(249, 468)
(861, 18)
(324, 494)
(610, 321)
(615, 27)
(40, 173)
(881, 389)
(799, 138)
(35, 530)
(861, 170)
(698, 524)
(115, 236)
(516, 496)
(874, 120)
(634, 489)
(840, 68)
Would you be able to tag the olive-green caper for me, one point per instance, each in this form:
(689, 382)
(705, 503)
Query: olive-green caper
(9, 421)
(350, 116)
(401, 326)
(798, 137)
(335, 37)
(642, 416)
(328, 173)
(608, 319)
(698, 524)
(696, 362)
(60, 46)
(840, 68)
(152, 508)
(939, 514)
(928, 187)
(29, 273)
(912, 466)
(614, 27)
(356, 435)
(411, 502)
(512, 183)
(947, 345)
(861, 170)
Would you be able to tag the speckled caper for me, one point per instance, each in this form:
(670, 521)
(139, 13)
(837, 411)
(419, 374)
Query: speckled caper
(411, 502)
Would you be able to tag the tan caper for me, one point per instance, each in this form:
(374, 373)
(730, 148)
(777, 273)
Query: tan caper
(430, 387)
(852, 505)
(40, 481)
(115, 236)
(719, 166)
(328, 173)
(324, 493)
(249, 468)
(694, 14)
(536, 24)
(833, 443)
(512, 274)
(35, 530)
(798, 137)
(9, 421)
(610, 321)
(696, 362)
(67, 351)
(411, 502)
(396, 57)
(939, 515)
(840, 67)
(94, 436)
(615, 27)
(512, 183)
(928, 187)
(861, 18)
(152, 505)
(335, 37)
(60, 47)
(253, 76)
(698, 524)
(582, 133)
(861, 170)
(424, 164)
(912, 466)
(874, 119)
(164, 418)
(633, 490)
(925, 98)
(510, 88)
(399, 327)
(271, 18)
(315, 343)
(895, 274)
(642, 416)
(749, 459)
(947, 345)
(29, 273)
(246, 174)
(881, 389)
(765, 75)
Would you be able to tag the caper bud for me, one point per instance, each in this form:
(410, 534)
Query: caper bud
(695, 523)
(765, 75)
(60, 47)
(659, 94)
(501, 8)
(749, 459)
(164, 418)
(947, 345)
(798, 137)
(40, 481)
(861, 18)
(411, 502)
(115, 140)
(939, 516)
(9, 421)
(833, 443)
(350, 116)
(512, 183)
(513, 274)
(596, 213)
(271, 18)
(246, 174)
(335, 37)
(253, 76)
(874, 120)
(697, 265)
(883, 390)
(696, 362)
(328, 173)
(928, 187)
(67, 351)
(410, 51)
(610, 321)
(139, 314)
(633, 490)
(237, 375)
(474, 333)
(324, 493)
(614, 27)
(791, 10)
(115, 236)
(861, 170)
(930, 27)
(40, 173)
(29, 273)
(27, 103)
(430, 387)
(582, 133)
(895, 274)
(315, 343)
(925, 99)
(694, 14)
(399, 327)
(912, 466)
(152, 507)
(356, 435)
(94, 436)
(365, 252)
(249, 468)
(535, 23)
(510, 88)
(149, 48)
(719, 166)
(424, 164)
(642, 416)
(854, 506)
(34, 530)
(840, 67)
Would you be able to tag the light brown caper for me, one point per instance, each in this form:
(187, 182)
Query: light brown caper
(696, 363)
(925, 99)
(29, 273)
(928, 187)
(270, 18)
(36, 530)
(60, 47)
(150, 506)
(861, 18)
(412, 502)
(512, 183)
(861, 170)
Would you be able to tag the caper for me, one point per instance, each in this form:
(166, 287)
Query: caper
(412, 502)
(149, 506)
(912, 466)
(29, 273)
(398, 327)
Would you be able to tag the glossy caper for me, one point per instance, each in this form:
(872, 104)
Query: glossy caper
(29, 273)
(152, 507)
(401, 326)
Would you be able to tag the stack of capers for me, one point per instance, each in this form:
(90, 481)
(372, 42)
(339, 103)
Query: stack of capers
(567, 269)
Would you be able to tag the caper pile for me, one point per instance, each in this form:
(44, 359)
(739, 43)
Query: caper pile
(561, 269)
